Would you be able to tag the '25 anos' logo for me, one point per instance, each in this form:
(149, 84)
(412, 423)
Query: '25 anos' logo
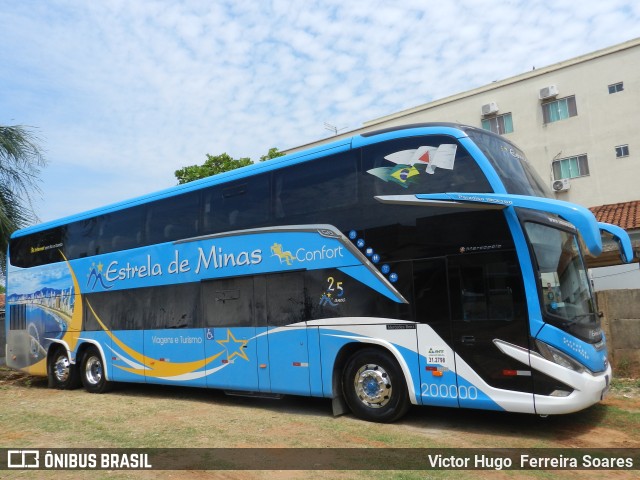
(333, 295)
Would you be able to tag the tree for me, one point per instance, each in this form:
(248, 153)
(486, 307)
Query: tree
(20, 162)
(271, 154)
(212, 166)
(215, 164)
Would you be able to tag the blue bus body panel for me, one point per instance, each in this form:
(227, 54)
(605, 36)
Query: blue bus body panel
(232, 358)
(289, 364)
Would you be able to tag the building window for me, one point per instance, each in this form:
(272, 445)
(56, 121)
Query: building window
(500, 124)
(571, 167)
(559, 109)
(616, 87)
(622, 151)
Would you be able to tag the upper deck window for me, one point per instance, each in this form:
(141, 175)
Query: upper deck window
(427, 164)
(511, 165)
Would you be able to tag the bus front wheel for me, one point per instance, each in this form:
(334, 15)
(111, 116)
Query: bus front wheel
(92, 372)
(374, 386)
(62, 374)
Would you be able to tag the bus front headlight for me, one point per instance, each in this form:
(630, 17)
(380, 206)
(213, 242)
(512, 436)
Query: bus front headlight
(556, 356)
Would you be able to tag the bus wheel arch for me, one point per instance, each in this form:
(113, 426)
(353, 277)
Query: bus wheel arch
(62, 373)
(373, 384)
(93, 371)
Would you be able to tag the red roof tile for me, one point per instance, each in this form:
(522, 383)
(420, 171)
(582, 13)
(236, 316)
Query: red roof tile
(625, 215)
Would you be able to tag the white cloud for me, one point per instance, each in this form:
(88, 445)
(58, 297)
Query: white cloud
(125, 93)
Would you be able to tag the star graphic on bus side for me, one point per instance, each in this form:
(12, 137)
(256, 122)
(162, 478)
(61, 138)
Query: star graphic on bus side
(233, 346)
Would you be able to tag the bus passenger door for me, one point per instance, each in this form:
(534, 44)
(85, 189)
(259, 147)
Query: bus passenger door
(487, 304)
(438, 383)
(230, 333)
(288, 343)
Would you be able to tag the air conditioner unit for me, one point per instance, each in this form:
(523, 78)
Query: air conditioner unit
(489, 108)
(548, 92)
(561, 185)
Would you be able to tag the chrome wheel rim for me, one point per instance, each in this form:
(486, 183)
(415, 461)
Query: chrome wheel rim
(61, 368)
(373, 386)
(93, 370)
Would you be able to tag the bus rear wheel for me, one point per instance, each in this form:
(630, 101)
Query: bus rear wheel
(374, 386)
(92, 372)
(62, 374)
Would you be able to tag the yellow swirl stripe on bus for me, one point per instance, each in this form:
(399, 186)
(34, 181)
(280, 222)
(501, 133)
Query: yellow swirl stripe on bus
(157, 368)
(39, 368)
(74, 328)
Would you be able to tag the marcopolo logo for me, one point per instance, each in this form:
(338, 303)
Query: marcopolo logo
(303, 254)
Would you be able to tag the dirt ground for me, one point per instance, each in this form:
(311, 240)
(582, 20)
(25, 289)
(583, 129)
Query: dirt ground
(147, 416)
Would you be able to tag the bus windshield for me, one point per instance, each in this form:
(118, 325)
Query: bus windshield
(567, 298)
(511, 165)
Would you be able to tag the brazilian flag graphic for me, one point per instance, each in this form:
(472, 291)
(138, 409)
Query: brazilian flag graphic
(403, 175)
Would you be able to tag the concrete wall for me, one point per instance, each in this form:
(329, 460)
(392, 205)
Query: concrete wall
(621, 323)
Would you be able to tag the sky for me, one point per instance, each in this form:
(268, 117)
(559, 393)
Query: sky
(123, 93)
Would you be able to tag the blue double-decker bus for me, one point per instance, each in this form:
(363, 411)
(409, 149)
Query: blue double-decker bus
(424, 265)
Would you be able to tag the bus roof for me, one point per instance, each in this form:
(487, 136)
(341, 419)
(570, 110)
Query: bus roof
(357, 141)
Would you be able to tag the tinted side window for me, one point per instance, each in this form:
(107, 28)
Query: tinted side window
(510, 163)
(317, 186)
(119, 230)
(173, 218)
(285, 298)
(171, 306)
(403, 167)
(38, 248)
(401, 233)
(239, 205)
(432, 164)
(486, 287)
(119, 310)
(228, 302)
(79, 237)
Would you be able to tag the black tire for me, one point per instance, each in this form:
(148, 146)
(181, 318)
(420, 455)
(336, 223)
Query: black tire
(61, 373)
(374, 386)
(92, 372)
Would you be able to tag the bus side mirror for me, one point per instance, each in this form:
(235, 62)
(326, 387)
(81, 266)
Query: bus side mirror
(621, 238)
